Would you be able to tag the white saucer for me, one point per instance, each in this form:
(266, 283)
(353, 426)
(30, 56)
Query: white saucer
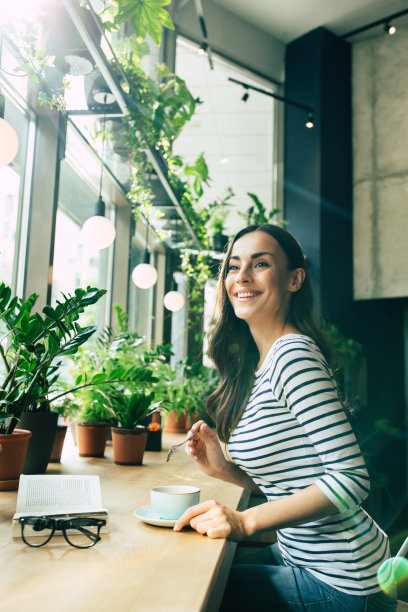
(148, 515)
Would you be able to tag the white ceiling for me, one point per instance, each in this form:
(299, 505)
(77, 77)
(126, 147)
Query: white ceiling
(289, 19)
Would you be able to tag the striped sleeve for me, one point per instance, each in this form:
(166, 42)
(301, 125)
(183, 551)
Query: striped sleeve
(302, 380)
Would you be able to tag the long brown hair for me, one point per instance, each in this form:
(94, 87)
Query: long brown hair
(232, 347)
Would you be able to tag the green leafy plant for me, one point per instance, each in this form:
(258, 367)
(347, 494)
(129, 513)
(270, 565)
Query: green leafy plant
(257, 213)
(218, 212)
(146, 17)
(31, 345)
(129, 409)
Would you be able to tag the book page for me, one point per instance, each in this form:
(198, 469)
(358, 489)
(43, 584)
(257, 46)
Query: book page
(60, 494)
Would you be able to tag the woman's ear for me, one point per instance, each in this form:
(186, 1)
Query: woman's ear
(296, 279)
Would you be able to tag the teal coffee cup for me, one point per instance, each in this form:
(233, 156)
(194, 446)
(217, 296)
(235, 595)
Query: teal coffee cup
(171, 501)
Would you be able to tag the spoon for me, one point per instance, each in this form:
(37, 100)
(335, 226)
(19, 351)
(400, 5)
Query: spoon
(174, 446)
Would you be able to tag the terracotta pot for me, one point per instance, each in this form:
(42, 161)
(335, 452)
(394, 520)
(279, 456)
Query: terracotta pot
(190, 421)
(12, 455)
(58, 444)
(43, 426)
(92, 439)
(128, 445)
(173, 424)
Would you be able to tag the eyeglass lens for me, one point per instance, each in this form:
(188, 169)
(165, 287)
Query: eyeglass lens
(80, 532)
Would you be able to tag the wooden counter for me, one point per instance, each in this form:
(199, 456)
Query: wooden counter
(136, 567)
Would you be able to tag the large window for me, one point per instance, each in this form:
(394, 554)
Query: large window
(14, 183)
(77, 264)
(236, 137)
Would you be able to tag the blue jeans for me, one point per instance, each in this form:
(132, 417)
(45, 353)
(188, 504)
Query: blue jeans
(264, 582)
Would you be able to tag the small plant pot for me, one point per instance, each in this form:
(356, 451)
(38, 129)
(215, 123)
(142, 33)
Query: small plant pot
(174, 424)
(92, 439)
(58, 444)
(12, 455)
(154, 440)
(43, 426)
(128, 445)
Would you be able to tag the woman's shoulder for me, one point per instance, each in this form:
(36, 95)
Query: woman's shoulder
(296, 346)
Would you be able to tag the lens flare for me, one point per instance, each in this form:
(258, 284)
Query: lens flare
(392, 572)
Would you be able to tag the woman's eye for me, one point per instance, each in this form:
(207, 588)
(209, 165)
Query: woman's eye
(260, 264)
(231, 268)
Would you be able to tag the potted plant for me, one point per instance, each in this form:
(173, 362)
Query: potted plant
(31, 347)
(130, 436)
(258, 215)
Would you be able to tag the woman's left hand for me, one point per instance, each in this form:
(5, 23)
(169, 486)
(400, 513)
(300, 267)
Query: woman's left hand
(214, 520)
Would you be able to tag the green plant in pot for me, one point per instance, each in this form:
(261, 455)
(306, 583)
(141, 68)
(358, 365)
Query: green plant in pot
(31, 348)
(130, 409)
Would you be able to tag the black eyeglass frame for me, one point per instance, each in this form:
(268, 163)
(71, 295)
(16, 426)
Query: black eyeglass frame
(62, 524)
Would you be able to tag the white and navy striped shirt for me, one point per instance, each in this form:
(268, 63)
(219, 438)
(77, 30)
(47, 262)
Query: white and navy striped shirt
(294, 433)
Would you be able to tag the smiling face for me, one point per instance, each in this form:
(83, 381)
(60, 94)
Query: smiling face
(258, 281)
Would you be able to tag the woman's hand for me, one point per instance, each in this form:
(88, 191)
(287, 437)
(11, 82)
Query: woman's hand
(214, 520)
(206, 450)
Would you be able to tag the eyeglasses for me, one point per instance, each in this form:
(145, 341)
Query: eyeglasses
(81, 532)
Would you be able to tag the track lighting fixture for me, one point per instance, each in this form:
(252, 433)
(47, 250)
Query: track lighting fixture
(247, 86)
(145, 275)
(8, 137)
(386, 22)
(390, 29)
(203, 48)
(309, 123)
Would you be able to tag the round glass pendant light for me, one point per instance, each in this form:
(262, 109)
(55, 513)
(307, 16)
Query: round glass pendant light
(144, 275)
(174, 300)
(99, 231)
(8, 138)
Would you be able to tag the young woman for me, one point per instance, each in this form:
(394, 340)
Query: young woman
(278, 410)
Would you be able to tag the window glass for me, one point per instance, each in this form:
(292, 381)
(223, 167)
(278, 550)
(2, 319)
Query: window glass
(140, 300)
(77, 264)
(12, 198)
(237, 137)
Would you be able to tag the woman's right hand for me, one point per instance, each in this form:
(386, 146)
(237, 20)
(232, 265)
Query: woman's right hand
(206, 450)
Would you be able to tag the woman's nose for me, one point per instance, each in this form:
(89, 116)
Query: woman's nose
(244, 274)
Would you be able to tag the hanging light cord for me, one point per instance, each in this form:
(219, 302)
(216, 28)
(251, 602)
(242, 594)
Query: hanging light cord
(103, 148)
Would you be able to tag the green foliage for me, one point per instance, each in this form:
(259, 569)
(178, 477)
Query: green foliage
(199, 172)
(258, 215)
(124, 367)
(345, 355)
(146, 17)
(129, 409)
(183, 388)
(218, 212)
(32, 345)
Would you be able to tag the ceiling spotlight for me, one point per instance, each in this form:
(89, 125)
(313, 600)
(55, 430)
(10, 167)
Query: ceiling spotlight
(224, 160)
(203, 49)
(245, 97)
(309, 123)
(390, 29)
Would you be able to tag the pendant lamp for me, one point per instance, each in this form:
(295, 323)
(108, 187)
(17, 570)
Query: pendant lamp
(99, 231)
(174, 300)
(145, 275)
(8, 137)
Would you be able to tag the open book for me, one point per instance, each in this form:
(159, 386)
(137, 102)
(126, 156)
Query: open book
(58, 496)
